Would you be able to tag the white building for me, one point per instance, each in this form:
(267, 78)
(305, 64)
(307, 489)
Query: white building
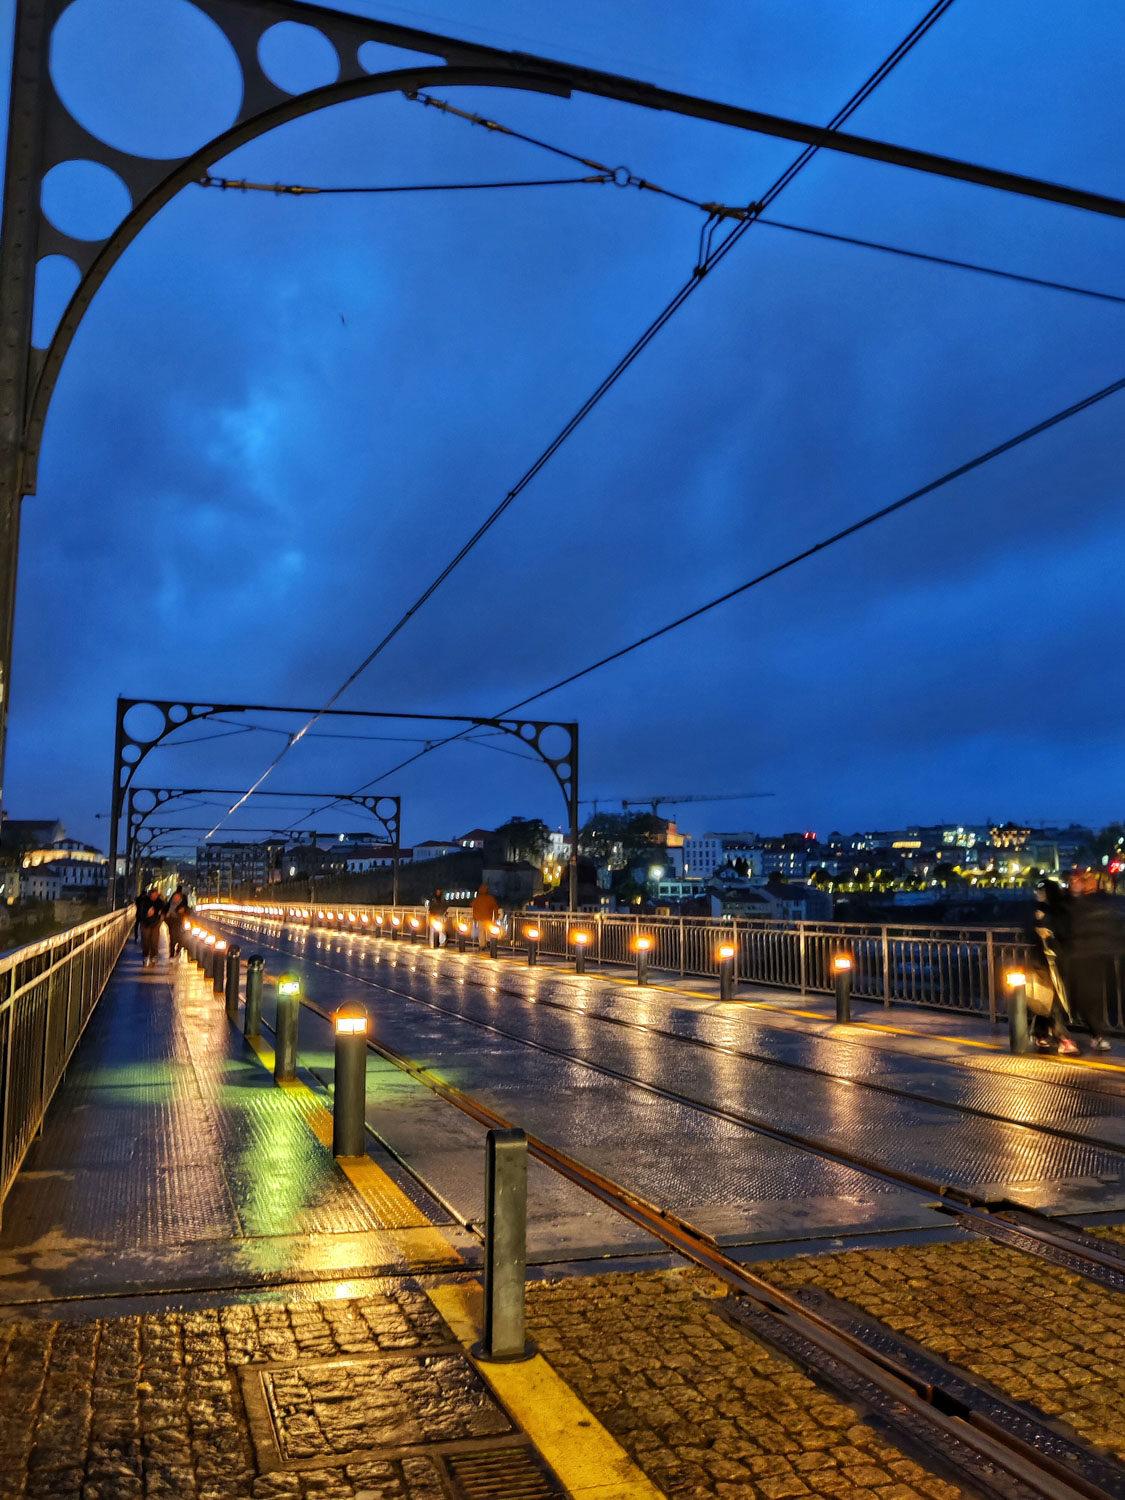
(705, 854)
(376, 857)
(435, 849)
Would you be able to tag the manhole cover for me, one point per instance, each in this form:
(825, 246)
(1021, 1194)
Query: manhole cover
(319, 1413)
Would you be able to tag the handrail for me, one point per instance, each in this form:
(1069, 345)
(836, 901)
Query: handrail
(48, 991)
(937, 966)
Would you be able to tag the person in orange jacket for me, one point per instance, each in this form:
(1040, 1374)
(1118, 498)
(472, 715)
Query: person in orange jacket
(486, 910)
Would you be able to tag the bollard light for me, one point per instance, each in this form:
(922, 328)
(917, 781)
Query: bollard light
(1019, 1039)
(219, 967)
(436, 925)
(208, 964)
(531, 938)
(581, 941)
(842, 966)
(414, 926)
(462, 934)
(234, 957)
(493, 937)
(726, 956)
(285, 1041)
(643, 946)
(505, 1248)
(349, 1083)
(252, 1015)
(396, 925)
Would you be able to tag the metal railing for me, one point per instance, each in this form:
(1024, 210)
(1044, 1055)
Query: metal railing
(47, 993)
(946, 968)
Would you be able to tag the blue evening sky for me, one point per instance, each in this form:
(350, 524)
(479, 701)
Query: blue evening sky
(282, 416)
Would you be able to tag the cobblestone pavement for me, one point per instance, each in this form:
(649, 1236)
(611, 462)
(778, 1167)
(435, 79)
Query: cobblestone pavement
(1038, 1333)
(118, 1408)
(703, 1409)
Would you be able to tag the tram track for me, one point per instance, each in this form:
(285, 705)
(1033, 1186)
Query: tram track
(958, 1426)
(1063, 1245)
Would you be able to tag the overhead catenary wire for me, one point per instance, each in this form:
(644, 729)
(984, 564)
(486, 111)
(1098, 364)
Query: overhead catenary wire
(921, 27)
(300, 190)
(790, 562)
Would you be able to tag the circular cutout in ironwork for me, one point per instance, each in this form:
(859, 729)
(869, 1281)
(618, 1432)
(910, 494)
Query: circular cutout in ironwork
(156, 78)
(381, 57)
(56, 279)
(554, 742)
(297, 57)
(144, 801)
(85, 199)
(177, 713)
(144, 722)
(131, 754)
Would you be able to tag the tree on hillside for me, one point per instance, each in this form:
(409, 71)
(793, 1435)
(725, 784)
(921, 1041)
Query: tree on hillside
(526, 838)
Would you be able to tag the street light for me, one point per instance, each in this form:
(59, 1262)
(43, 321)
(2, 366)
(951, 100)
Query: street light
(1019, 1039)
(842, 966)
(643, 946)
(726, 971)
(581, 941)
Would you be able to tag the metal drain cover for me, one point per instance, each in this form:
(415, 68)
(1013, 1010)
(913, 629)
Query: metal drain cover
(502, 1474)
(320, 1413)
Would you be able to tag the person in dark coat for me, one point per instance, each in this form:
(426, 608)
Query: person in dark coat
(177, 916)
(152, 915)
(438, 909)
(1047, 938)
(1095, 942)
(138, 907)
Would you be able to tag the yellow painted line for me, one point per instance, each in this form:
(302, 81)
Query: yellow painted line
(402, 1220)
(589, 1461)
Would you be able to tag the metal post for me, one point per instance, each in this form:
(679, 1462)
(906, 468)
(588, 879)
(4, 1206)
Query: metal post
(726, 971)
(413, 925)
(207, 959)
(349, 1081)
(252, 1016)
(990, 952)
(462, 928)
(219, 967)
(531, 938)
(1019, 1039)
(581, 942)
(234, 956)
(643, 945)
(493, 938)
(505, 1247)
(842, 967)
(285, 1039)
(886, 971)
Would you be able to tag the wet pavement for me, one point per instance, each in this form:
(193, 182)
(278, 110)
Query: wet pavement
(661, 1091)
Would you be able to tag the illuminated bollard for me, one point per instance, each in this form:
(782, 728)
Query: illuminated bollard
(581, 941)
(207, 958)
(531, 938)
(505, 1247)
(493, 939)
(396, 928)
(462, 934)
(349, 1082)
(219, 967)
(842, 966)
(285, 1040)
(234, 957)
(726, 971)
(643, 945)
(435, 932)
(1019, 1039)
(252, 1016)
(414, 926)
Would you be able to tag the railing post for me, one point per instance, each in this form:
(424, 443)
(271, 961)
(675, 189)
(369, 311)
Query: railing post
(803, 956)
(683, 968)
(990, 958)
(886, 971)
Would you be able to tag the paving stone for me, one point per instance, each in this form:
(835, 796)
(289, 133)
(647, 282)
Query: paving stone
(712, 1413)
(1036, 1332)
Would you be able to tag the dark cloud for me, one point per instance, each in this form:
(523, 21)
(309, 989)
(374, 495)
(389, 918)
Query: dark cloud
(282, 416)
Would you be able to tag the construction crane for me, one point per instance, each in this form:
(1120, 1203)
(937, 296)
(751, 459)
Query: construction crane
(671, 801)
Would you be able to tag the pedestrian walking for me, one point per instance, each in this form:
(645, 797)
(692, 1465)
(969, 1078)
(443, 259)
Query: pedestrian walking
(437, 907)
(1047, 995)
(486, 909)
(177, 916)
(151, 916)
